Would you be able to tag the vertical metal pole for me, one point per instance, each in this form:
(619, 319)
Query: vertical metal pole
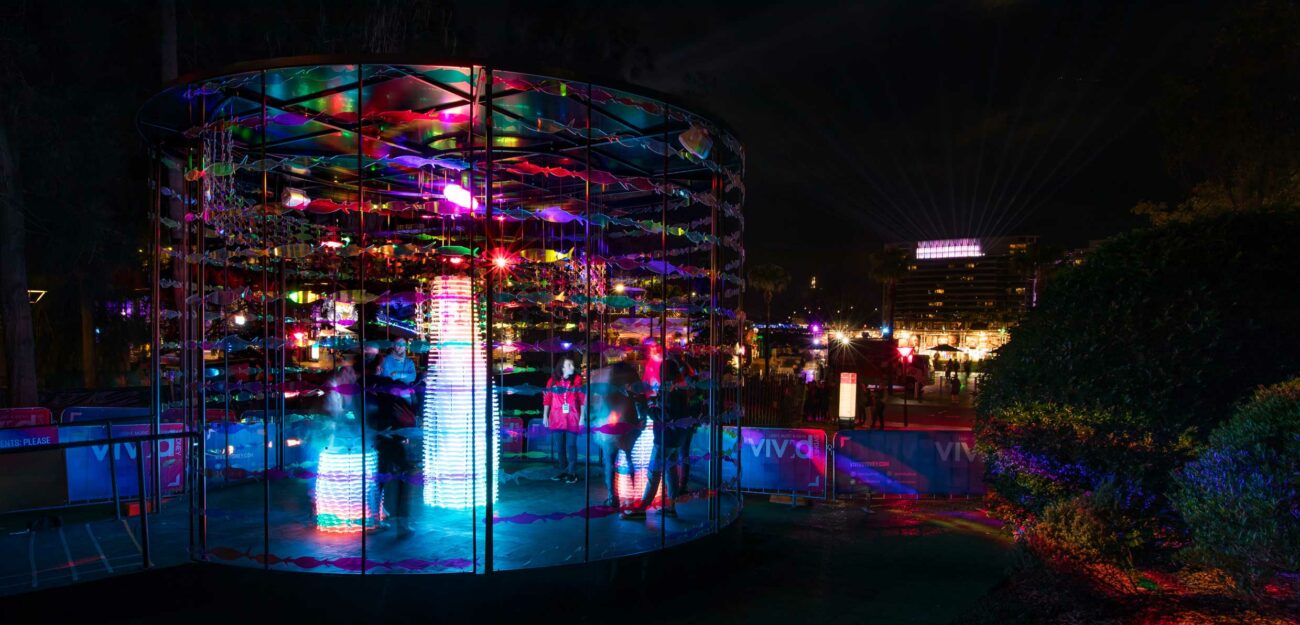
(469, 133)
(586, 405)
(361, 307)
(155, 310)
(266, 347)
(714, 438)
(142, 500)
(112, 471)
(282, 333)
(490, 447)
(663, 337)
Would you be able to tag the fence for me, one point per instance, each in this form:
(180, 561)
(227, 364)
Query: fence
(773, 401)
(901, 463)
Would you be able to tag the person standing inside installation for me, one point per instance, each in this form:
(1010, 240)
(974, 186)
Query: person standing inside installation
(564, 410)
(392, 418)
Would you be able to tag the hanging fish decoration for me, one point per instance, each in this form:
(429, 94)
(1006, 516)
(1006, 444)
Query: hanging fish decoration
(697, 141)
(545, 256)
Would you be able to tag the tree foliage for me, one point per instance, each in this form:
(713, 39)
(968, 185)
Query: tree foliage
(1174, 323)
(769, 280)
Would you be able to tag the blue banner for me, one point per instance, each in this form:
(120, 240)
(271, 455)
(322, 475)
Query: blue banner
(780, 460)
(912, 462)
(88, 467)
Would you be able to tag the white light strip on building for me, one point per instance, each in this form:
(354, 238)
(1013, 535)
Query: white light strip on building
(949, 248)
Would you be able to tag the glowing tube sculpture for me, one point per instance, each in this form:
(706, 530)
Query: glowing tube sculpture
(454, 400)
(630, 481)
(341, 491)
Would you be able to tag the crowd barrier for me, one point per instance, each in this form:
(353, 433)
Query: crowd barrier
(856, 463)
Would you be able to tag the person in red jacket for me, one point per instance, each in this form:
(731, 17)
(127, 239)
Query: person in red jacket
(564, 409)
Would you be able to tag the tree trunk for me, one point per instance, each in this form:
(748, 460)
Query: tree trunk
(20, 344)
(767, 350)
(88, 369)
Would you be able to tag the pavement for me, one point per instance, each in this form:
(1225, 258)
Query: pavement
(906, 562)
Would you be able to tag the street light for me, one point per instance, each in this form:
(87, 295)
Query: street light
(905, 354)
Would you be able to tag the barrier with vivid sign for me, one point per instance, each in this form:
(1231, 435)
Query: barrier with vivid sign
(30, 480)
(783, 460)
(88, 467)
(911, 462)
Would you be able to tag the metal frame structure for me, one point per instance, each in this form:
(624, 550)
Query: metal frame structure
(614, 187)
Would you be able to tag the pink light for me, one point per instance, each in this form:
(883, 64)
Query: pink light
(332, 244)
(501, 262)
(455, 260)
(459, 196)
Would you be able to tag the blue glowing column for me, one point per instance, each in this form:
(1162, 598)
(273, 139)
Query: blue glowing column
(454, 401)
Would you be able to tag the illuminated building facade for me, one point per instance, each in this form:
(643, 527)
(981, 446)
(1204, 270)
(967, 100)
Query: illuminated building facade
(961, 292)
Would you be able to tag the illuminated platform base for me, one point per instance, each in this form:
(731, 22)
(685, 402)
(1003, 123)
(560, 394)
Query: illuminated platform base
(543, 526)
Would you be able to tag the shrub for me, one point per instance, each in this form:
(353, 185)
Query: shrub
(1041, 455)
(1133, 357)
(1093, 526)
(1241, 498)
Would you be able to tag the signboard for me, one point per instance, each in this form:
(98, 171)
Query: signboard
(22, 417)
(88, 467)
(28, 437)
(914, 462)
(848, 395)
(778, 460)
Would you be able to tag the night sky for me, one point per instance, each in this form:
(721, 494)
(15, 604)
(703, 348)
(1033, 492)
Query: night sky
(864, 122)
(886, 121)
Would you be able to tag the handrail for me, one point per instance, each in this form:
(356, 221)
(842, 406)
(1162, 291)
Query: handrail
(141, 438)
(138, 441)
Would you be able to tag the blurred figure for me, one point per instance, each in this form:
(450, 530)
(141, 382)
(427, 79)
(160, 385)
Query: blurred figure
(396, 365)
(564, 411)
(667, 451)
(392, 415)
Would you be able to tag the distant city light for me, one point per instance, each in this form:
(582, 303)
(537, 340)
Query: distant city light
(948, 248)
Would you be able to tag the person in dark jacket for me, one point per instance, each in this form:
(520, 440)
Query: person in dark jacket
(667, 451)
